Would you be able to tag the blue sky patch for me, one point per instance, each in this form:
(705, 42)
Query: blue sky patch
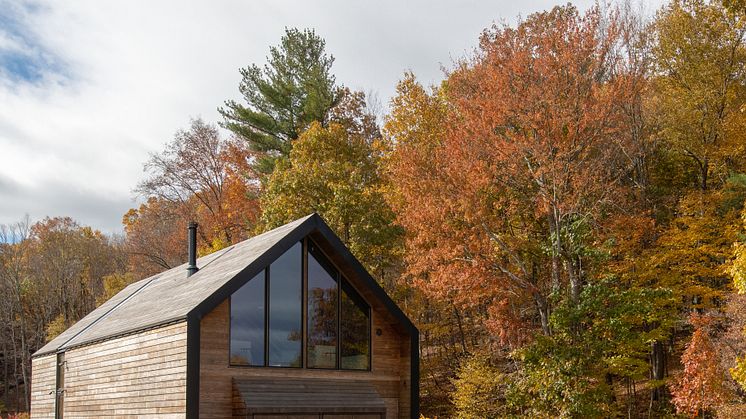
(22, 56)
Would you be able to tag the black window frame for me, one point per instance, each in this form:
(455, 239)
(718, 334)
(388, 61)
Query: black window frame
(305, 244)
(267, 299)
(338, 281)
(369, 316)
(265, 333)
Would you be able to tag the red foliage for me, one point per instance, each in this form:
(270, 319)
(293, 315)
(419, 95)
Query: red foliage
(701, 386)
(522, 145)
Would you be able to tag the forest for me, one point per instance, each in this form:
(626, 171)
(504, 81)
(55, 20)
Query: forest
(562, 216)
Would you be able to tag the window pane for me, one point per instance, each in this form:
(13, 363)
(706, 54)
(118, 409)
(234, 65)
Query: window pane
(355, 330)
(285, 309)
(247, 323)
(322, 311)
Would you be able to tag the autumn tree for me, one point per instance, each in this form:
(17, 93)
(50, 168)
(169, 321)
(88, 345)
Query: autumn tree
(700, 88)
(282, 98)
(479, 389)
(200, 176)
(16, 326)
(737, 270)
(155, 237)
(334, 170)
(526, 166)
(700, 387)
(52, 273)
(70, 261)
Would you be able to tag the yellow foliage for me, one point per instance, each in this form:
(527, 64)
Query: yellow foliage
(738, 267)
(738, 272)
(113, 284)
(700, 84)
(478, 389)
(55, 327)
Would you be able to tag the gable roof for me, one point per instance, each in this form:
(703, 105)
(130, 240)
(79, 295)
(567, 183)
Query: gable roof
(171, 296)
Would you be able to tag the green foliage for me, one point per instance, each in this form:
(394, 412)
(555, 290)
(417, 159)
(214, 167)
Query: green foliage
(606, 334)
(282, 98)
(478, 389)
(335, 173)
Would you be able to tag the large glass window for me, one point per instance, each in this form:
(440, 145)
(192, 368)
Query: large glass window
(286, 309)
(247, 323)
(267, 315)
(322, 310)
(355, 330)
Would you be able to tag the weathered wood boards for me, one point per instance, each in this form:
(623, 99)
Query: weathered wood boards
(138, 375)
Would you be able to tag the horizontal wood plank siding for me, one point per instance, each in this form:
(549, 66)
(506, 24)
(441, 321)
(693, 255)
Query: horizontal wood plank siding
(216, 392)
(43, 381)
(141, 375)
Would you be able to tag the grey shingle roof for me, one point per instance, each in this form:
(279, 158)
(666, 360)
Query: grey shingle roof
(168, 296)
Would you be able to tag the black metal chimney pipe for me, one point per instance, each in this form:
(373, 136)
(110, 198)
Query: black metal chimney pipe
(192, 268)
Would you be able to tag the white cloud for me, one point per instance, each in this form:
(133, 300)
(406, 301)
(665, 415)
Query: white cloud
(122, 77)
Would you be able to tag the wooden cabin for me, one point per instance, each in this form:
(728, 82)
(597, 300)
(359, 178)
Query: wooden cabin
(287, 324)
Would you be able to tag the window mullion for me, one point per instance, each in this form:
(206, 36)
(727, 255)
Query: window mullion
(266, 316)
(304, 304)
(339, 319)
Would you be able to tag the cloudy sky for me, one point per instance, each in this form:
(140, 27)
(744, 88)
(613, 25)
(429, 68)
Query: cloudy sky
(89, 88)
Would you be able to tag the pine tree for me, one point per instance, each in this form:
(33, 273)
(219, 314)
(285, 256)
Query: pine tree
(294, 89)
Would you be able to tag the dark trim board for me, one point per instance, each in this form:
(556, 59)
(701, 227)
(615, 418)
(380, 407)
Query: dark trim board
(193, 366)
(313, 225)
(414, 374)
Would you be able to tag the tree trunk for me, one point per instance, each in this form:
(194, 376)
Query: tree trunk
(576, 280)
(658, 368)
(460, 330)
(543, 309)
(5, 374)
(24, 369)
(705, 172)
(557, 245)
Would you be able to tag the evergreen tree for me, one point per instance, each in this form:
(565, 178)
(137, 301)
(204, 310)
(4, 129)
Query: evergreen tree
(294, 89)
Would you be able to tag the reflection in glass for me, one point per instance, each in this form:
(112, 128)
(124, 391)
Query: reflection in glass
(247, 323)
(322, 311)
(285, 309)
(355, 330)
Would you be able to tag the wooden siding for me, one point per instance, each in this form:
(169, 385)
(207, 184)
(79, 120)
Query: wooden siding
(142, 374)
(216, 392)
(43, 380)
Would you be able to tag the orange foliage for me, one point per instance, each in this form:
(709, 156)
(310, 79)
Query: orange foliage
(198, 177)
(496, 173)
(701, 386)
